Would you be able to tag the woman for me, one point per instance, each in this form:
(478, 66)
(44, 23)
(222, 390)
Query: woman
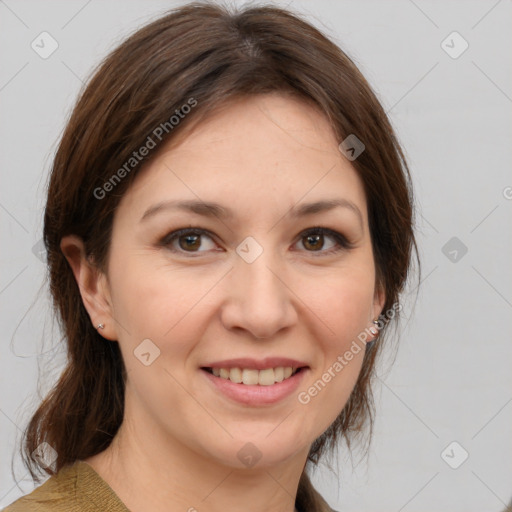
(228, 229)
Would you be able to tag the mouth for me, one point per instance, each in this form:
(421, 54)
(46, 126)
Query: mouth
(255, 387)
(253, 377)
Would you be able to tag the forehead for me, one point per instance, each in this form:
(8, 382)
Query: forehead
(259, 153)
(264, 123)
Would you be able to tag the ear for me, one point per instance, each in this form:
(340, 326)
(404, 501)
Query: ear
(93, 285)
(379, 299)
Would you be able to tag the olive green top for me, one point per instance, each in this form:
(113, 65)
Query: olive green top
(75, 488)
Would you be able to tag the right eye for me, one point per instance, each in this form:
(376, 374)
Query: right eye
(188, 240)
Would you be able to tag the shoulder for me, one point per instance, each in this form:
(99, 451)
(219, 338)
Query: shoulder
(56, 494)
(75, 488)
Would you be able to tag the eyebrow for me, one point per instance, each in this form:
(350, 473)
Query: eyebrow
(211, 209)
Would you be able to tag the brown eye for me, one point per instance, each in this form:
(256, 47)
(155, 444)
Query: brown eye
(188, 240)
(314, 240)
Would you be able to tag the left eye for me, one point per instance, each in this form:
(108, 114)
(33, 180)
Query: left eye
(315, 237)
(190, 240)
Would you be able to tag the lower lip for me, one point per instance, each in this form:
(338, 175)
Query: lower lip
(257, 395)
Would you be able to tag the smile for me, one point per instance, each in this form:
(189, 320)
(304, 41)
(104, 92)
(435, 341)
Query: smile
(251, 377)
(253, 387)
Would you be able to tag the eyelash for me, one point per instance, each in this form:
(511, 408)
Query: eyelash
(342, 242)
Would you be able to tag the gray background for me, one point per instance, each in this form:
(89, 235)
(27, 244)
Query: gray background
(451, 380)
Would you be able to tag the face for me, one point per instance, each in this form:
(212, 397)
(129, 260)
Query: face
(242, 286)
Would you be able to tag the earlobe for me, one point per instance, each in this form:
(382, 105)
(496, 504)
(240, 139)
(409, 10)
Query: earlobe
(92, 284)
(378, 301)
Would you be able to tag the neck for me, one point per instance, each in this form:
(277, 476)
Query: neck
(150, 470)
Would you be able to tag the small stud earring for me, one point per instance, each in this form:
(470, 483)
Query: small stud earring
(374, 331)
(100, 326)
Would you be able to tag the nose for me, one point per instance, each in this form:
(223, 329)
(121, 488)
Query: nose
(259, 298)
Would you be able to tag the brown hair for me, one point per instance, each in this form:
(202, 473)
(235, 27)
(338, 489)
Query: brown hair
(207, 54)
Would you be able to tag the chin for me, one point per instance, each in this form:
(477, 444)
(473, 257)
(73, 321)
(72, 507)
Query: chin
(261, 451)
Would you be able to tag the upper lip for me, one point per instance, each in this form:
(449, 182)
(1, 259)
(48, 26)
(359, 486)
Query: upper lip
(256, 364)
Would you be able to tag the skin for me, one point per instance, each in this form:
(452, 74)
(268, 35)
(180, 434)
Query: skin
(177, 447)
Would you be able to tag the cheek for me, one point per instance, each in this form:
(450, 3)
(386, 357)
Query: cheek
(142, 293)
(159, 302)
(342, 302)
(346, 313)
(349, 310)
(343, 306)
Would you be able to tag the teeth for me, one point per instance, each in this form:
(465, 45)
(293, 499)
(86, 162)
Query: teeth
(235, 375)
(266, 377)
(252, 377)
(279, 374)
